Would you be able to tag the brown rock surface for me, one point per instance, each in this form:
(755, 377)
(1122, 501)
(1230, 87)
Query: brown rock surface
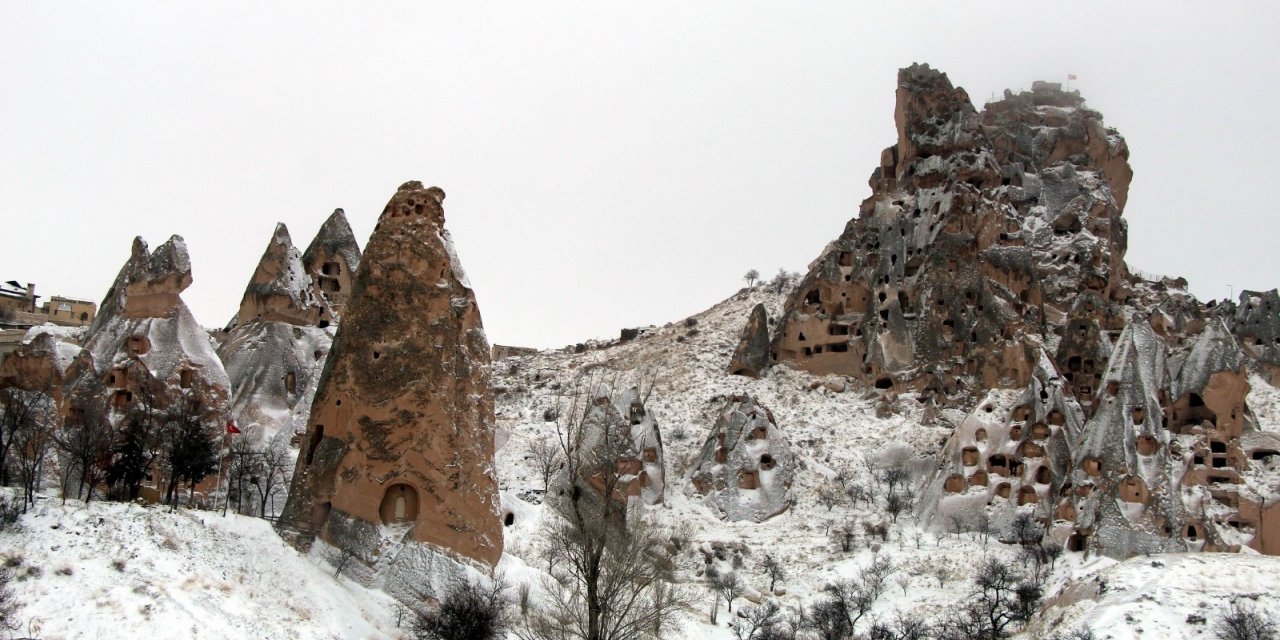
(751, 357)
(401, 428)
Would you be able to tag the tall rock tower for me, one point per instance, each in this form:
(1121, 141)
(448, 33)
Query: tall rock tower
(400, 437)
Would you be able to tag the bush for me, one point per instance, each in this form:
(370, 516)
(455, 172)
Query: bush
(468, 612)
(1243, 622)
(8, 601)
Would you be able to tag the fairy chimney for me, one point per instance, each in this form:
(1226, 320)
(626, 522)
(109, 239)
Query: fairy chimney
(400, 436)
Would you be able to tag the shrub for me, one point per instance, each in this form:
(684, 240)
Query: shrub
(1243, 622)
(468, 612)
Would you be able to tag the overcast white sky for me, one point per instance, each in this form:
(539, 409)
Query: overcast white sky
(607, 164)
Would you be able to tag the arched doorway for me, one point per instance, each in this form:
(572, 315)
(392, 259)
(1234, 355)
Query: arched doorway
(399, 504)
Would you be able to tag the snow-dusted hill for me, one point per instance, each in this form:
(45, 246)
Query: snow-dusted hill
(118, 570)
(113, 570)
(834, 429)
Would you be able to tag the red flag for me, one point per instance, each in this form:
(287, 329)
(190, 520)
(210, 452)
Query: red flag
(231, 427)
(1072, 76)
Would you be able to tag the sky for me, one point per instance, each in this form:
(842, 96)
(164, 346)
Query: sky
(606, 165)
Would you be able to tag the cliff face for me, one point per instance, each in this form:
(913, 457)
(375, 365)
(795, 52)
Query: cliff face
(981, 229)
(986, 272)
(401, 429)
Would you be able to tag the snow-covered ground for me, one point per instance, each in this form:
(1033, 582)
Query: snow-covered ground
(111, 570)
(115, 570)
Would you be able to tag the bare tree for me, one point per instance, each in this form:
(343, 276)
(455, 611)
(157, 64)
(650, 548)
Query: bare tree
(546, 455)
(848, 601)
(773, 570)
(85, 442)
(242, 464)
(751, 277)
(828, 496)
(758, 622)
(189, 450)
(612, 576)
(471, 611)
(32, 441)
(1243, 622)
(781, 281)
(727, 585)
(1002, 600)
(275, 468)
(895, 505)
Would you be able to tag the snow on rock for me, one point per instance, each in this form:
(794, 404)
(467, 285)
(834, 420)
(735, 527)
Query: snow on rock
(275, 352)
(745, 467)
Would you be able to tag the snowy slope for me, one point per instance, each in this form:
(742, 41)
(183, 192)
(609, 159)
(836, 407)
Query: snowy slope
(112, 570)
(831, 432)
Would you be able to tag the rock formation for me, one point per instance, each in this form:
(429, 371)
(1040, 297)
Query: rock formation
(397, 462)
(331, 260)
(745, 467)
(986, 271)
(616, 431)
(145, 353)
(1257, 324)
(981, 229)
(274, 353)
(752, 355)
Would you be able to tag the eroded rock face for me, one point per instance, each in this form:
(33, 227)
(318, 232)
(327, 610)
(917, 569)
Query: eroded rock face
(1257, 324)
(981, 229)
(745, 467)
(1012, 452)
(751, 357)
(331, 260)
(275, 351)
(143, 318)
(400, 437)
(280, 289)
(146, 354)
(149, 285)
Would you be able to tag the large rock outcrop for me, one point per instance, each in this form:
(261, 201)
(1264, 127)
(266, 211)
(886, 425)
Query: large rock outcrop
(397, 463)
(981, 229)
(275, 352)
(745, 467)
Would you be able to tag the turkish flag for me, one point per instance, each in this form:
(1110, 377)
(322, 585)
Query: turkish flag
(1072, 76)
(231, 427)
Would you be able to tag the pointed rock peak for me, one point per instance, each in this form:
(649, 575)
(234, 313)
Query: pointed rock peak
(280, 289)
(405, 399)
(281, 235)
(334, 239)
(412, 200)
(331, 261)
